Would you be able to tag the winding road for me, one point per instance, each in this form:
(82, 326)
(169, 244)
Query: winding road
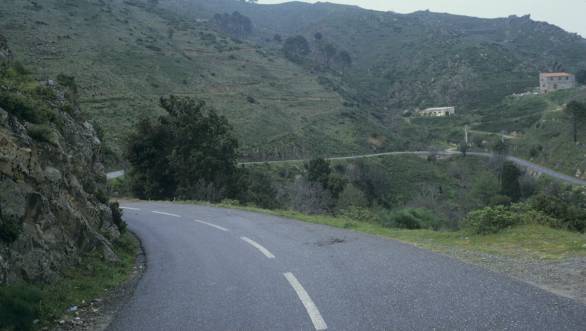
(220, 269)
(520, 162)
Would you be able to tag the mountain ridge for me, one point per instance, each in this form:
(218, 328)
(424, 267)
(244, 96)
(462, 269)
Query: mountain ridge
(392, 51)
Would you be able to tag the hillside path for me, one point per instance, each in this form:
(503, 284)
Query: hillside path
(518, 161)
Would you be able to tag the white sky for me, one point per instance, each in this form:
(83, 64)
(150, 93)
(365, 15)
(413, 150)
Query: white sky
(568, 14)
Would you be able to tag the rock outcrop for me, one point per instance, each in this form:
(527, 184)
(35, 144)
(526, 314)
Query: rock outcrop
(5, 53)
(49, 211)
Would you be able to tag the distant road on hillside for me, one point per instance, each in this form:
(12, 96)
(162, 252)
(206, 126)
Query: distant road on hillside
(520, 162)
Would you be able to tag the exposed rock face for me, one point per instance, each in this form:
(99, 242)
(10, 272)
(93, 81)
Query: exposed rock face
(45, 194)
(5, 53)
(49, 214)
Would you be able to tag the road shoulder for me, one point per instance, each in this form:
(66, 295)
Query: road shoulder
(98, 314)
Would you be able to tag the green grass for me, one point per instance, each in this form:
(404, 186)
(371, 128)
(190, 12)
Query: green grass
(549, 141)
(91, 279)
(527, 241)
(123, 60)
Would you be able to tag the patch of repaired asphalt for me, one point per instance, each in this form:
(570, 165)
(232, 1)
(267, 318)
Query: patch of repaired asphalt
(330, 242)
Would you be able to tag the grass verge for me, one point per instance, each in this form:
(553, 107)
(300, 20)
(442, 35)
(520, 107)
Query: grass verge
(526, 241)
(26, 307)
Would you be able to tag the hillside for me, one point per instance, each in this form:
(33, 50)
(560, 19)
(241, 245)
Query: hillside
(546, 131)
(420, 59)
(125, 55)
(53, 209)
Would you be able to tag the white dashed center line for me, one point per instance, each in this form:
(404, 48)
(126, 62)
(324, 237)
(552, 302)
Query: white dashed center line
(167, 214)
(129, 208)
(212, 225)
(312, 311)
(259, 247)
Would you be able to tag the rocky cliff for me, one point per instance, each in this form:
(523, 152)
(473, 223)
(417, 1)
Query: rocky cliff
(50, 181)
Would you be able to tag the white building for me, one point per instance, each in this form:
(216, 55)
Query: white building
(555, 81)
(437, 112)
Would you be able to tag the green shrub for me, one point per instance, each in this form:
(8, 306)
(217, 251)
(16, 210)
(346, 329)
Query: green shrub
(412, 219)
(102, 196)
(528, 215)
(22, 107)
(567, 207)
(43, 133)
(490, 220)
(9, 230)
(117, 217)
(361, 214)
(351, 196)
(259, 190)
(19, 307)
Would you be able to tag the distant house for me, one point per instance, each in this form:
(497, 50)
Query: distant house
(437, 112)
(555, 81)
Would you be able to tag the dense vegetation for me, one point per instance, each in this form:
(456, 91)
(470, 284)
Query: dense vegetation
(188, 154)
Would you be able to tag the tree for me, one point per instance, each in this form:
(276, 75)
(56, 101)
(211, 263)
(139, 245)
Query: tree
(329, 53)
(260, 189)
(278, 38)
(578, 112)
(311, 197)
(318, 171)
(344, 60)
(236, 24)
(463, 148)
(318, 36)
(189, 153)
(296, 48)
(150, 174)
(581, 77)
(351, 196)
(510, 185)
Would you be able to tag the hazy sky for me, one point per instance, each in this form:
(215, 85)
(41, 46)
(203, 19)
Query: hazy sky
(568, 14)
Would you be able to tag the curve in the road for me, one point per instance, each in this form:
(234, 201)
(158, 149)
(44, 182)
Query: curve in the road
(199, 278)
(520, 162)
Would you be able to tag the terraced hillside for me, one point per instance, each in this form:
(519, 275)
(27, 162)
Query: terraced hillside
(124, 55)
(420, 59)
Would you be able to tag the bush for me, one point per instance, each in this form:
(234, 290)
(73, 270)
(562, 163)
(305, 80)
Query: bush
(567, 207)
(359, 214)
(9, 230)
(23, 107)
(19, 307)
(43, 133)
(411, 218)
(260, 190)
(490, 220)
(351, 197)
(117, 217)
(102, 196)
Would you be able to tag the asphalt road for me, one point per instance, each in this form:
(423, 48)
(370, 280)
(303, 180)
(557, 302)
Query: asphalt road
(219, 269)
(520, 162)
